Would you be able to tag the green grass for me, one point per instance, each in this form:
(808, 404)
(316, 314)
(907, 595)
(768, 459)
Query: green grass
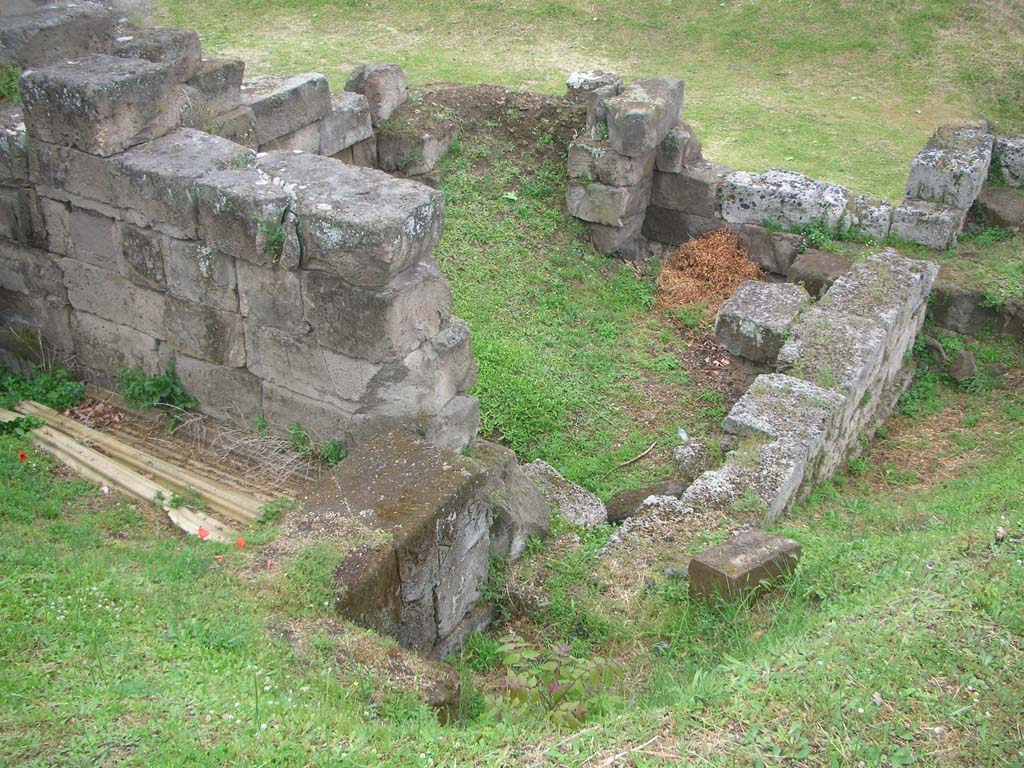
(842, 91)
(10, 93)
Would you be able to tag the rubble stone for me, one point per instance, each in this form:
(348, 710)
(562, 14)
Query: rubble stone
(575, 504)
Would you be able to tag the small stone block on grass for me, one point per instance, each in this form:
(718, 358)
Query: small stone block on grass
(753, 322)
(952, 167)
(747, 564)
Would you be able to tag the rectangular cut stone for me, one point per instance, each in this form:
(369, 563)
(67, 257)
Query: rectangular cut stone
(158, 180)
(200, 274)
(284, 103)
(347, 123)
(324, 421)
(643, 113)
(783, 197)
(225, 393)
(271, 297)
(238, 125)
(13, 146)
(56, 218)
(304, 139)
(244, 214)
(62, 171)
(376, 323)
(924, 223)
(208, 334)
(30, 271)
(1009, 153)
(693, 190)
(748, 563)
(142, 257)
(753, 322)
(100, 104)
(111, 297)
(595, 161)
(415, 150)
(873, 217)
(106, 346)
(96, 239)
(952, 168)
(31, 327)
(602, 204)
(220, 82)
(383, 84)
(361, 225)
(680, 148)
(20, 218)
(56, 33)
(177, 48)
(610, 239)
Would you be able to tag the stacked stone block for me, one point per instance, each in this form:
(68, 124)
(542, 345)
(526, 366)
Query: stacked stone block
(286, 286)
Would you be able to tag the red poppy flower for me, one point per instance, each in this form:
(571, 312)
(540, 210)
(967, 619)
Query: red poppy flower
(240, 543)
(203, 534)
(270, 564)
(22, 457)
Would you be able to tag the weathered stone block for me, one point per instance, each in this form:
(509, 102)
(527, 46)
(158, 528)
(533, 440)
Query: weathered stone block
(1009, 153)
(625, 504)
(591, 161)
(610, 239)
(376, 323)
(748, 563)
(347, 123)
(361, 225)
(384, 88)
(13, 146)
(158, 180)
(579, 85)
(817, 270)
(142, 257)
(783, 197)
(754, 321)
(284, 103)
(108, 347)
(244, 214)
(20, 217)
(924, 223)
(680, 148)
(324, 421)
(112, 297)
(271, 296)
(874, 217)
(224, 393)
(30, 271)
(693, 190)
(772, 251)
(62, 171)
(220, 83)
(411, 151)
(95, 238)
(644, 112)
(304, 139)
(198, 273)
(208, 334)
(1002, 207)
(32, 328)
(597, 114)
(57, 33)
(238, 125)
(577, 505)
(100, 104)
(177, 48)
(952, 168)
(602, 204)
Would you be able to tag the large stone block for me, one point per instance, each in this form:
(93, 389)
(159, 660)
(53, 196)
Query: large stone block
(177, 48)
(142, 257)
(347, 123)
(272, 297)
(783, 197)
(63, 173)
(924, 223)
(754, 321)
(377, 323)
(39, 36)
(238, 125)
(32, 329)
(284, 103)
(13, 146)
(693, 189)
(1009, 153)
(95, 238)
(384, 88)
(602, 204)
(679, 149)
(873, 217)
(952, 168)
(205, 333)
(359, 224)
(591, 161)
(100, 104)
(817, 270)
(244, 214)
(106, 346)
(20, 217)
(233, 394)
(324, 421)
(158, 180)
(1001, 207)
(220, 83)
(198, 273)
(610, 239)
(413, 151)
(111, 297)
(749, 563)
(30, 271)
(304, 139)
(644, 112)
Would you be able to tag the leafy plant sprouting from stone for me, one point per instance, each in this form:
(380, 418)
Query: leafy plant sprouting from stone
(55, 389)
(332, 451)
(564, 687)
(273, 239)
(9, 90)
(163, 390)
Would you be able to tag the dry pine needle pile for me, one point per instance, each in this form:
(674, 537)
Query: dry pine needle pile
(706, 270)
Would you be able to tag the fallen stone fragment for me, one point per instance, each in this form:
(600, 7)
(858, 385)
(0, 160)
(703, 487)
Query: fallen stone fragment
(577, 505)
(384, 87)
(579, 85)
(817, 270)
(678, 149)
(1009, 153)
(1002, 207)
(627, 503)
(747, 564)
(963, 366)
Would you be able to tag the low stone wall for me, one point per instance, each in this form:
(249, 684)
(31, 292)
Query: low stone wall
(283, 285)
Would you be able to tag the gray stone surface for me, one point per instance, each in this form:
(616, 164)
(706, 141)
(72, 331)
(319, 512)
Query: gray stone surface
(748, 563)
(283, 104)
(142, 257)
(56, 219)
(13, 146)
(359, 224)
(602, 204)
(111, 297)
(271, 296)
(107, 346)
(577, 505)
(924, 223)
(95, 238)
(874, 217)
(158, 180)
(1002, 207)
(40, 36)
(30, 271)
(694, 189)
(178, 48)
(817, 270)
(591, 161)
(627, 503)
(680, 148)
(100, 104)
(412, 151)
(32, 328)
(233, 394)
(304, 139)
(220, 83)
(324, 421)
(952, 167)
(963, 366)
(383, 85)
(643, 113)
(205, 333)
(1009, 153)
(783, 197)
(347, 123)
(753, 322)
(198, 273)
(62, 173)
(579, 85)
(20, 218)
(238, 125)
(597, 113)
(612, 239)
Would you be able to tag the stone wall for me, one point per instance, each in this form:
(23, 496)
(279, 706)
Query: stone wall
(282, 285)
